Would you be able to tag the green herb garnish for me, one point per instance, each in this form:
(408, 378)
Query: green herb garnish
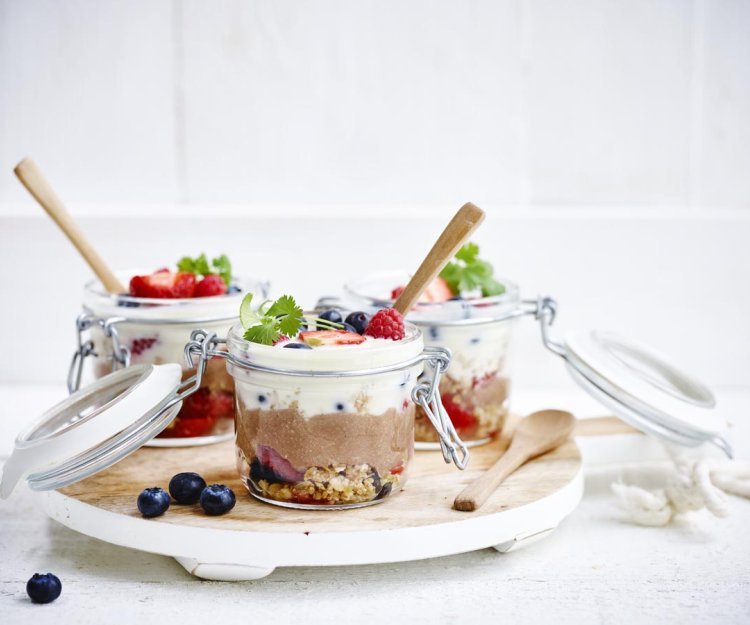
(271, 320)
(199, 266)
(469, 273)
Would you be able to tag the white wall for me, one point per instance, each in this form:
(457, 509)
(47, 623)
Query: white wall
(608, 140)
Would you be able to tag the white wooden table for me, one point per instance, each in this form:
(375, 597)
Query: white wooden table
(595, 568)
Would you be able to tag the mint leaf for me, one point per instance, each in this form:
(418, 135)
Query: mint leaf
(224, 268)
(469, 273)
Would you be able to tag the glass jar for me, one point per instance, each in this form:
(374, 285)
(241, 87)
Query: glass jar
(115, 331)
(475, 390)
(333, 427)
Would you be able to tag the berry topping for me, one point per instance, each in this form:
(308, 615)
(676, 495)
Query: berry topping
(217, 499)
(358, 320)
(43, 588)
(163, 285)
(271, 466)
(153, 502)
(331, 337)
(296, 346)
(210, 285)
(186, 488)
(461, 418)
(387, 323)
(138, 346)
(332, 315)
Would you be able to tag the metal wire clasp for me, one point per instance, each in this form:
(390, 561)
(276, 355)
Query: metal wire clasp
(426, 395)
(120, 354)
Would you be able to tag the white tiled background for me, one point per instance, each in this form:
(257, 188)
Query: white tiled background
(608, 140)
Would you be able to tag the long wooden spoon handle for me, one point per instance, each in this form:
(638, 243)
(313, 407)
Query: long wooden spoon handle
(32, 178)
(460, 228)
(477, 492)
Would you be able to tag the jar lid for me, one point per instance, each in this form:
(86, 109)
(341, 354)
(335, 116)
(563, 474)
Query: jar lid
(94, 428)
(644, 389)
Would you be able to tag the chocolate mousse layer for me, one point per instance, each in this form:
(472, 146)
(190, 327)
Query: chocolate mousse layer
(342, 438)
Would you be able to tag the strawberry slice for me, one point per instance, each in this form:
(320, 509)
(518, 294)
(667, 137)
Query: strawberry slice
(437, 291)
(210, 285)
(462, 419)
(163, 285)
(331, 337)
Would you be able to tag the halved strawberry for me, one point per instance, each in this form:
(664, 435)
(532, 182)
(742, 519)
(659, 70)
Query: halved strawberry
(163, 285)
(210, 285)
(330, 337)
(437, 291)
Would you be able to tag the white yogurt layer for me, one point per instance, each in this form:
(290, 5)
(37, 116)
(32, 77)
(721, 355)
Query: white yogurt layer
(476, 349)
(315, 394)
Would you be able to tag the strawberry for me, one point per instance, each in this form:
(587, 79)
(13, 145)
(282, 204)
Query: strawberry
(163, 285)
(197, 406)
(462, 419)
(331, 337)
(437, 291)
(210, 285)
(387, 323)
(186, 428)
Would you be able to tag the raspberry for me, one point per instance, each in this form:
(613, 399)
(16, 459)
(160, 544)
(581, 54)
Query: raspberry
(386, 324)
(210, 285)
(138, 346)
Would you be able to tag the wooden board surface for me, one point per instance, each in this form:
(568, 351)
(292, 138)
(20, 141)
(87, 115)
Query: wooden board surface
(425, 500)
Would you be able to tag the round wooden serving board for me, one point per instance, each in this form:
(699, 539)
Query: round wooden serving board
(254, 538)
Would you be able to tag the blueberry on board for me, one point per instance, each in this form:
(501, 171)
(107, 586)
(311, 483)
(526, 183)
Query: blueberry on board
(217, 499)
(332, 315)
(358, 320)
(186, 488)
(153, 502)
(43, 587)
(297, 346)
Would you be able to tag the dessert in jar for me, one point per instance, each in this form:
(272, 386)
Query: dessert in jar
(467, 310)
(325, 408)
(151, 324)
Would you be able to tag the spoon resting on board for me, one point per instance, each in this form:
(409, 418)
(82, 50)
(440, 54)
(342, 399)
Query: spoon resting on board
(535, 435)
(460, 228)
(33, 179)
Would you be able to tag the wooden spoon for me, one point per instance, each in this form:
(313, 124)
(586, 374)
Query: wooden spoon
(32, 178)
(460, 228)
(535, 435)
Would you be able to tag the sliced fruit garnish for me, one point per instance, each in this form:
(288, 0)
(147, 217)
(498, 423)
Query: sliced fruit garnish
(330, 337)
(163, 285)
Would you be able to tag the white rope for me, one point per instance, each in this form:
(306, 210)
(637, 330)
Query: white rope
(694, 483)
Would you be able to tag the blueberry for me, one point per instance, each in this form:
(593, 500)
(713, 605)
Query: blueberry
(297, 346)
(217, 499)
(350, 328)
(233, 289)
(153, 502)
(474, 341)
(455, 298)
(43, 588)
(262, 399)
(340, 407)
(358, 320)
(186, 487)
(434, 333)
(125, 299)
(332, 315)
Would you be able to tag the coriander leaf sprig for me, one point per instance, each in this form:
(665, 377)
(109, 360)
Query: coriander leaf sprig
(469, 273)
(200, 267)
(274, 319)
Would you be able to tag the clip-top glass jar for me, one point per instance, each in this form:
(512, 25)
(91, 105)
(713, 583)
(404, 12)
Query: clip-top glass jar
(115, 331)
(332, 426)
(475, 390)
